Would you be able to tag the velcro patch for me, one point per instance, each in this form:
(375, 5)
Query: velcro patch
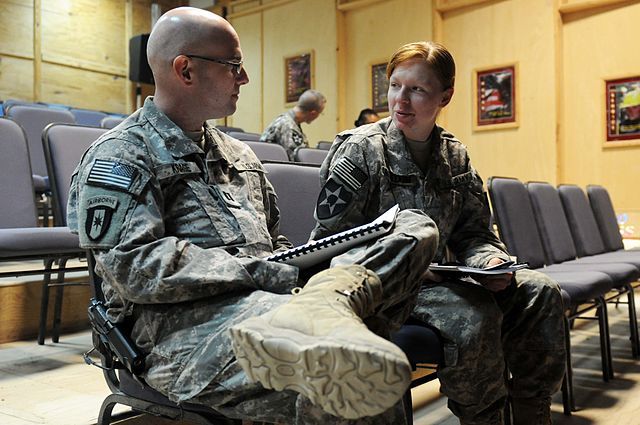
(100, 209)
(111, 174)
(333, 199)
(349, 173)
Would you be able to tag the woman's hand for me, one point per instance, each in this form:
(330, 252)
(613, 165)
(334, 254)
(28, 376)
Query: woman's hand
(495, 283)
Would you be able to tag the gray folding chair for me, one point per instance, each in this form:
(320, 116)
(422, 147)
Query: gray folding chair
(516, 221)
(605, 216)
(34, 119)
(311, 155)
(268, 151)
(20, 238)
(245, 136)
(111, 121)
(88, 116)
(228, 129)
(323, 144)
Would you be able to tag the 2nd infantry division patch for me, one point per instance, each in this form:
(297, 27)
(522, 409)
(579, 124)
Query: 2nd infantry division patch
(99, 212)
(346, 178)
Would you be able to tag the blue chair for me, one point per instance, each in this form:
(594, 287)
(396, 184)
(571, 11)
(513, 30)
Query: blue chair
(88, 116)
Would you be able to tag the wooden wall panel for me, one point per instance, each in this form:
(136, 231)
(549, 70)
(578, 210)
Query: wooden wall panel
(20, 312)
(85, 33)
(16, 78)
(83, 89)
(16, 27)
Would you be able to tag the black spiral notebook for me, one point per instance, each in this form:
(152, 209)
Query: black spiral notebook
(314, 252)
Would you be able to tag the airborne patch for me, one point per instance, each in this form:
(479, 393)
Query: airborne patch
(333, 199)
(99, 212)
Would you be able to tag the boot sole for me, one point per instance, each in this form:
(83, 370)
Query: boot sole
(350, 378)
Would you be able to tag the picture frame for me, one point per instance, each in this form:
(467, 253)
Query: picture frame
(379, 87)
(622, 111)
(495, 97)
(298, 75)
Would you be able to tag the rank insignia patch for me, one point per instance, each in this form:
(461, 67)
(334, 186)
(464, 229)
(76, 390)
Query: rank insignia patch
(99, 212)
(333, 199)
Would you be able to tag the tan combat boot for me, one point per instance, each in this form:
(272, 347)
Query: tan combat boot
(317, 345)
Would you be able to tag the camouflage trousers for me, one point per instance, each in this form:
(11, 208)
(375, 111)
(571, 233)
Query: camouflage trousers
(520, 328)
(399, 259)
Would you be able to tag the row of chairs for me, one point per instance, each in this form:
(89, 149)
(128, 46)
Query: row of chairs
(20, 236)
(90, 117)
(556, 231)
(275, 152)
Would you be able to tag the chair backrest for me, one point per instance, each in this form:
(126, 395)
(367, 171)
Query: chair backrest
(88, 116)
(513, 214)
(552, 222)
(323, 144)
(268, 151)
(227, 129)
(602, 208)
(584, 227)
(34, 120)
(10, 103)
(18, 206)
(297, 187)
(64, 145)
(245, 136)
(311, 155)
(111, 121)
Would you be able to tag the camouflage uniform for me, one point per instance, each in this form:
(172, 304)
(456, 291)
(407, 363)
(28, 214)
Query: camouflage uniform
(177, 233)
(285, 131)
(370, 169)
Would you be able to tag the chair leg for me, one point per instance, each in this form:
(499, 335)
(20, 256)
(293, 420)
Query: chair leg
(57, 312)
(44, 304)
(408, 406)
(568, 400)
(633, 322)
(605, 341)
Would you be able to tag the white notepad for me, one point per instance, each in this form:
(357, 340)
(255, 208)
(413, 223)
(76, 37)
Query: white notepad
(314, 252)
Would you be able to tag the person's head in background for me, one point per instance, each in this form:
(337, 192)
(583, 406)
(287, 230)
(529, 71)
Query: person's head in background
(421, 80)
(309, 107)
(196, 60)
(367, 116)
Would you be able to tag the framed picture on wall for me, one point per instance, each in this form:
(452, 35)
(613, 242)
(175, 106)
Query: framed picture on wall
(495, 97)
(298, 75)
(379, 87)
(622, 109)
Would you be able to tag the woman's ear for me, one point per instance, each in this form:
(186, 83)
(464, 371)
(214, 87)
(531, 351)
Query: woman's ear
(446, 97)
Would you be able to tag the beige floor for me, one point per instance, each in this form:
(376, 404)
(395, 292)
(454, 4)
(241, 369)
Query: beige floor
(51, 385)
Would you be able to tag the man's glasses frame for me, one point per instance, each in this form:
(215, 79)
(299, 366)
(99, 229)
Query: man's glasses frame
(236, 66)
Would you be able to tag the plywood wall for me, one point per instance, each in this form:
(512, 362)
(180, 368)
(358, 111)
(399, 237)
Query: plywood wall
(71, 52)
(268, 35)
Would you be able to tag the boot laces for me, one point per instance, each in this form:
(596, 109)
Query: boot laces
(359, 298)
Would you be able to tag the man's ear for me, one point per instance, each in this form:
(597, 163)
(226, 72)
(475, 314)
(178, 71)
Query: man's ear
(446, 97)
(182, 69)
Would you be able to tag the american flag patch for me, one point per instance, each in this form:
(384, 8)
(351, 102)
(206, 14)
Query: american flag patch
(349, 173)
(111, 173)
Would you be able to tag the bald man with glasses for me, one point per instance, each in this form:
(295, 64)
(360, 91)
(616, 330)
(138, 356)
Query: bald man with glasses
(180, 217)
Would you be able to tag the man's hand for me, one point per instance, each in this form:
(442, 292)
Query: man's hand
(495, 283)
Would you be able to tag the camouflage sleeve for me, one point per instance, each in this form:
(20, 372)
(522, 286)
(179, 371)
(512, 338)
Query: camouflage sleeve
(472, 241)
(123, 225)
(347, 180)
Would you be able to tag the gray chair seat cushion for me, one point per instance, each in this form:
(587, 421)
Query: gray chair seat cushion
(37, 241)
(581, 286)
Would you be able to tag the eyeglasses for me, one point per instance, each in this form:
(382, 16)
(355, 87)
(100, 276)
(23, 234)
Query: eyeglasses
(236, 67)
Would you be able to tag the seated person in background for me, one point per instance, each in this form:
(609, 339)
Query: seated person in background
(285, 129)
(510, 320)
(367, 116)
(180, 217)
